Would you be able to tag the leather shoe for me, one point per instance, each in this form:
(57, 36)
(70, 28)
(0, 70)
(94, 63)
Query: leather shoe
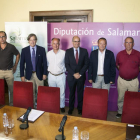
(118, 115)
(80, 112)
(70, 112)
(62, 110)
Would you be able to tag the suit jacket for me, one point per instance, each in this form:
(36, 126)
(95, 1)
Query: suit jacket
(41, 63)
(109, 66)
(71, 65)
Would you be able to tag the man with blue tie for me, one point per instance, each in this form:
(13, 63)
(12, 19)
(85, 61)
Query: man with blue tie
(34, 57)
(76, 62)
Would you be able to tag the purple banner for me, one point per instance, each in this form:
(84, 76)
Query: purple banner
(89, 33)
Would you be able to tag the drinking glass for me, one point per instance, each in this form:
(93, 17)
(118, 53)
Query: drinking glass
(84, 135)
(10, 123)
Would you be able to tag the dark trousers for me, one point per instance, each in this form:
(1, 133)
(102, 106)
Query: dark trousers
(80, 89)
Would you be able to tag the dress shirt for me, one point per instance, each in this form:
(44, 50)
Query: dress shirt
(75, 52)
(56, 62)
(31, 49)
(101, 57)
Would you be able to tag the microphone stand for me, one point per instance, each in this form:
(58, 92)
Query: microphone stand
(63, 137)
(60, 137)
(25, 125)
(61, 128)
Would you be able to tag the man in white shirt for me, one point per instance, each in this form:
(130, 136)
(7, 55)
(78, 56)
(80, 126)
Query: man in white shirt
(102, 69)
(56, 69)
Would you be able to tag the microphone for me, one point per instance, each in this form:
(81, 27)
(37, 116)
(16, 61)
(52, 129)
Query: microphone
(26, 114)
(62, 123)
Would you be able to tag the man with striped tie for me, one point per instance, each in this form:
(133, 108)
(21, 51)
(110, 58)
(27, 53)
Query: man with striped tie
(34, 57)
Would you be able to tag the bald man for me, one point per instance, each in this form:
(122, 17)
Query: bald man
(128, 64)
(76, 62)
(56, 68)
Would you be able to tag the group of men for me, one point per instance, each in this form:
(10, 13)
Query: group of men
(35, 65)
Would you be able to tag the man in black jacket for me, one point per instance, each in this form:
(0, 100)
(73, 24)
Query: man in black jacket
(102, 68)
(76, 62)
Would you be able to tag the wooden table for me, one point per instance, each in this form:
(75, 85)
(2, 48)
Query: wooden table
(46, 127)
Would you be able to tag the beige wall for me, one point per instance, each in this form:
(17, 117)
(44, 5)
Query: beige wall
(104, 10)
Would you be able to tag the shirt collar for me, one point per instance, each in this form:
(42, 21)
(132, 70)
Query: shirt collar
(57, 51)
(33, 47)
(5, 46)
(130, 53)
(76, 49)
(101, 52)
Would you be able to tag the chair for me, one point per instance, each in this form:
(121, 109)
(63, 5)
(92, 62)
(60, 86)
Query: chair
(131, 108)
(48, 99)
(95, 103)
(2, 92)
(23, 94)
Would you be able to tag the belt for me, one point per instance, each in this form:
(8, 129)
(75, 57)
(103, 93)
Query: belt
(33, 71)
(56, 74)
(5, 69)
(128, 79)
(101, 75)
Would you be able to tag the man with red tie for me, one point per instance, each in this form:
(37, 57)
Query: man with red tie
(76, 62)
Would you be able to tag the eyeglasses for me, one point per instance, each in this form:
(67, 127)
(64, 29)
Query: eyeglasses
(2, 36)
(128, 42)
(76, 41)
(33, 40)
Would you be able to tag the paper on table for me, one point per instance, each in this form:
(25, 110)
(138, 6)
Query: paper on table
(130, 125)
(33, 115)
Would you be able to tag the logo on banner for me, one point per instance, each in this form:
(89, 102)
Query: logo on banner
(16, 36)
(95, 45)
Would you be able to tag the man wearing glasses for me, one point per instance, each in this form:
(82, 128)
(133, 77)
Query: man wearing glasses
(128, 64)
(76, 62)
(7, 69)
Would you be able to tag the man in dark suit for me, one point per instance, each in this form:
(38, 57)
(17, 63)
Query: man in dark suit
(76, 62)
(102, 69)
(34, 57)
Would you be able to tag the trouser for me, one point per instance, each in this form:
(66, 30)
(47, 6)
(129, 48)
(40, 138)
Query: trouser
(58, 81)
(9, 77)
(99, 83)
(36, 82)
(123, 86)
(80, 89)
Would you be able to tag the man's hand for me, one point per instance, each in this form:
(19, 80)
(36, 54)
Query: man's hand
(44, 77)
(23, 79)
(118, 67)
(90, 81)
(76, 75)
(14, 68)
(111, 82)
(16, 63)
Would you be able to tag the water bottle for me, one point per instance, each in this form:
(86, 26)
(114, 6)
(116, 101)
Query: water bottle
(137, 137)
(5, 120)
(75, 133)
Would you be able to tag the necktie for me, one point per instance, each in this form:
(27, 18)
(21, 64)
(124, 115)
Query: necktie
(76, 56)
(33, 59)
